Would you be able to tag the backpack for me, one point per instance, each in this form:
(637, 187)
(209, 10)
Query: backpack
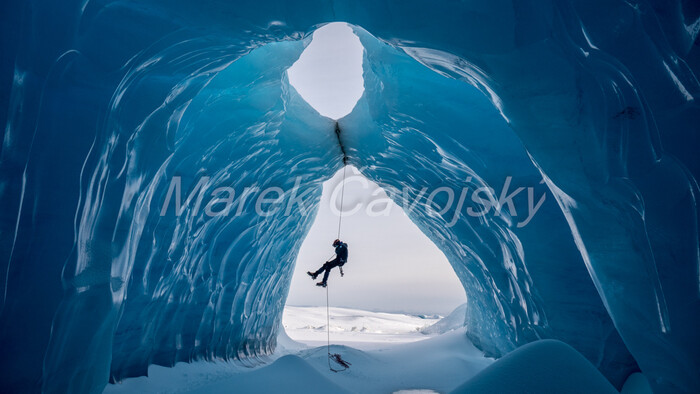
(343, 247)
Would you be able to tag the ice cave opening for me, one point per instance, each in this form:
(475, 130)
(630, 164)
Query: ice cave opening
(328, 73)
(397, 283)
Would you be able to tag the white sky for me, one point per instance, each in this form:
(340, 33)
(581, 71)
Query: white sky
(328, 74)
(392, 266)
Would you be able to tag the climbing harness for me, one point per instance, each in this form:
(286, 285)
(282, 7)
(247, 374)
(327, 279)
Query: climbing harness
(335, 357)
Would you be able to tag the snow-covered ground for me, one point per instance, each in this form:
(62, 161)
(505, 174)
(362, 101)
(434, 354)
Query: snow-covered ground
(388, 354)
(353, 327)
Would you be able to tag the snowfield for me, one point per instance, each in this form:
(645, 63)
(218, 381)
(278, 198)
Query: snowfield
(353, 327)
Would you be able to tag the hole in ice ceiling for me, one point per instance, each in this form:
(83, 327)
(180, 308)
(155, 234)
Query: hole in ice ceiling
(392, 267)
(328, 74)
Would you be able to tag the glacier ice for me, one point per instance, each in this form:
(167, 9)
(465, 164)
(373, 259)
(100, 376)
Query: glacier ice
(104, 102)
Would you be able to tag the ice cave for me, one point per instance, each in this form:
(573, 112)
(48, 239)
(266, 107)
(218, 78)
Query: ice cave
(159, 174)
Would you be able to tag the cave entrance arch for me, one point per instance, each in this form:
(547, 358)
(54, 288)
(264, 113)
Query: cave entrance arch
(393, 268)
(416, 133)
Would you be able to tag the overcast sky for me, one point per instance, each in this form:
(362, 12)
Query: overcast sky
(328, 74)
(392, 265)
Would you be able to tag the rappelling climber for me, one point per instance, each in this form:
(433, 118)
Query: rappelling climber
(341, 257)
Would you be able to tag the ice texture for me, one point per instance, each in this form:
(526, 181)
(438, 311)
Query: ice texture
(105, 101)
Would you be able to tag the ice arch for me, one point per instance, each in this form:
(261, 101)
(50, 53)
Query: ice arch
(597, 98)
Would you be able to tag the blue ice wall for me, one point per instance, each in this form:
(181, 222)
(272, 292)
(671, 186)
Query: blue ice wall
(585, 119)
(104, 102)
(522, 274)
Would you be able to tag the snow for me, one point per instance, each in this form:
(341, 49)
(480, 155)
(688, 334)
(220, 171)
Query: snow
(544, 366)
(438, 364)
(353, 327)
(404, 363)
(451, 322)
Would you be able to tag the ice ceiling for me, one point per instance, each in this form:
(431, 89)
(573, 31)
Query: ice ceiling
(104, 102)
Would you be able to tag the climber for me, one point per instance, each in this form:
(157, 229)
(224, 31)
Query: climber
(341, 257)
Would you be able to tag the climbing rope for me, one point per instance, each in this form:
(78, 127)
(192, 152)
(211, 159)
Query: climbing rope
(335, 356)
(342, 197)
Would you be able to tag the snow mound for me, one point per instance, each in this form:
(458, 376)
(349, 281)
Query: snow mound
(636, 383)
(545, 366)
(289, 374)
(438, 363)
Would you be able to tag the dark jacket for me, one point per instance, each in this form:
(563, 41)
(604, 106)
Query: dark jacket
(341, 252)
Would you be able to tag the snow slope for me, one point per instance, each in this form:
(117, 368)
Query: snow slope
(451, 322)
